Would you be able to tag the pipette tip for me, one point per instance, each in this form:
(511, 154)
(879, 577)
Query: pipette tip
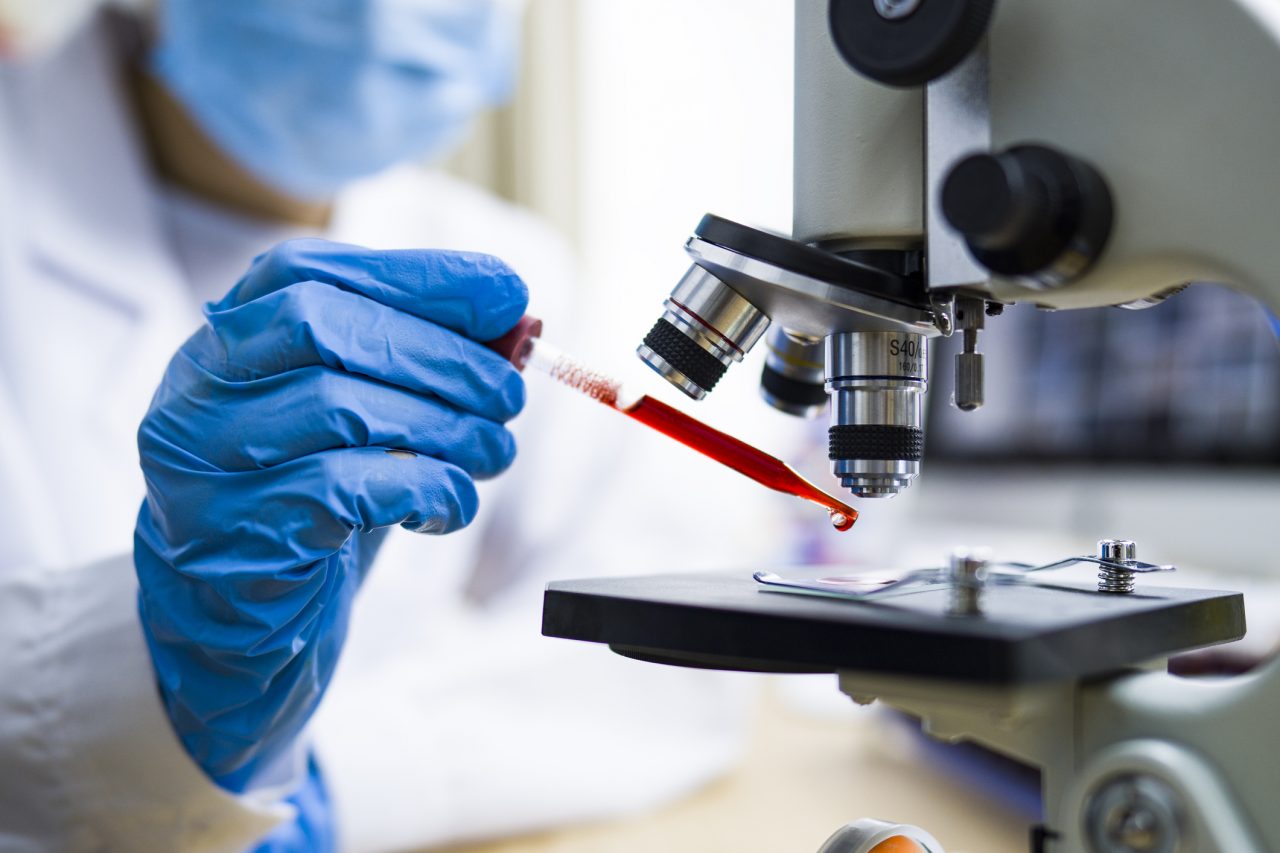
(841, 521)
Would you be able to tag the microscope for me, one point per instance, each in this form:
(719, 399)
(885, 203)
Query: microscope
(953, 157)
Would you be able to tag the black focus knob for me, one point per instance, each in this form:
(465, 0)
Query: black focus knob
(907, 42)
(1029, 212)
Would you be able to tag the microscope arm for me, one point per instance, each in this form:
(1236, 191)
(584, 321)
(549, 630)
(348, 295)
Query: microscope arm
(1173, 102)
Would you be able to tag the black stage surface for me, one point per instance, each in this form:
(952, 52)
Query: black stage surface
(1027, 633)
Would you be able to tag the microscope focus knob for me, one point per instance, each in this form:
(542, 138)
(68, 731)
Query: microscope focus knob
(1030, 213)
(907, 42)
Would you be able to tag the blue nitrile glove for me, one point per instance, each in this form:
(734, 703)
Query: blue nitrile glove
(272, 454)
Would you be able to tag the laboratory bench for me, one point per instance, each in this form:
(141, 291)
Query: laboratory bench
(803, 776)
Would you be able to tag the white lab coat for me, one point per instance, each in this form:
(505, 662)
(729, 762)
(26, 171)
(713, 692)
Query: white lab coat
(449, 717)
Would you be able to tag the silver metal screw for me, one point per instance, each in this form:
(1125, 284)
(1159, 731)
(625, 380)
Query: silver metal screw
(1134, 814)
(894, 10)
(1116, 580)
(968, 575)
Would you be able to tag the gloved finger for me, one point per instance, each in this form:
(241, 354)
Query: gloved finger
(309, 324)
(292, 514)
(366, 488)
(474, 294)
(239, 426)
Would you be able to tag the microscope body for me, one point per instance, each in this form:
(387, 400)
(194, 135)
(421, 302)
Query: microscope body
(1173, 104)
(1069, 155)
(955, 156)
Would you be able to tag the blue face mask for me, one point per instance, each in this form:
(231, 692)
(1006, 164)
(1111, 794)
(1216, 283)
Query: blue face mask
(310, 94)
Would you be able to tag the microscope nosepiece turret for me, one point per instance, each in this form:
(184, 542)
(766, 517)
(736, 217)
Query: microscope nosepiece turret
(849, 330)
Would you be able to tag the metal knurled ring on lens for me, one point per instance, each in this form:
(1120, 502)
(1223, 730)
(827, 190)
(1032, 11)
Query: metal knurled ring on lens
(678, 350)
(790, 390)
(875, 441)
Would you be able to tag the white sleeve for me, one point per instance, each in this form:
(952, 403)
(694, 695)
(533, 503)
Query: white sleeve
(88, 760)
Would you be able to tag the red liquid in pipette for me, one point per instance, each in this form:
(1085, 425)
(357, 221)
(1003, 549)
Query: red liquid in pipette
(764, 469)
(747, 460)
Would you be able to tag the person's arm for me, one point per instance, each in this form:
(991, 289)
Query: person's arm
(88, 758)
(333, 393)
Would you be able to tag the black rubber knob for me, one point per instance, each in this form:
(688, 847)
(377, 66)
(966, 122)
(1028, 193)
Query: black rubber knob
(994, 201)
(907, 42)
(1030, 212)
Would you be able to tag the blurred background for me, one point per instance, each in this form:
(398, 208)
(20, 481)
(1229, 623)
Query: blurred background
(633, 119)
(636, 117)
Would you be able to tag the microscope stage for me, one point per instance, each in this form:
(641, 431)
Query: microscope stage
(1027, 632)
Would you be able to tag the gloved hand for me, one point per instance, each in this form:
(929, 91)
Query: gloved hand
(274, 459)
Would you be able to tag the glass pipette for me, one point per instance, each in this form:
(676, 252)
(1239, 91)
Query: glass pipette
(750, 461)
